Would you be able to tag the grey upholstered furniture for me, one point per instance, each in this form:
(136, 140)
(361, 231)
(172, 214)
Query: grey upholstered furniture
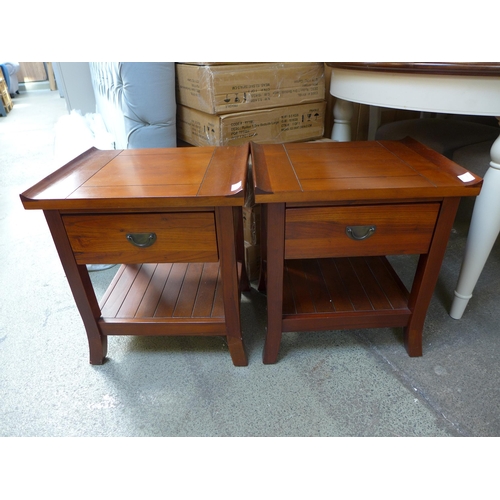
(10, 70)
(137, 102)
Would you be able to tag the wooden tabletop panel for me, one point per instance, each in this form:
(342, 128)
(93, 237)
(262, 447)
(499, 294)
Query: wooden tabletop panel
(368, 170)
(123, 179)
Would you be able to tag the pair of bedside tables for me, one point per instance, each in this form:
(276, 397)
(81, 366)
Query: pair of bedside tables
(332, 212)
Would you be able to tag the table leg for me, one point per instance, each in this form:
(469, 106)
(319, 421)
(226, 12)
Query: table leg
(426, 277)
(342, 116)
(81, 287)
(263, 249)
(483, 232)
(275, 224)
(240, 249)
(230, 286)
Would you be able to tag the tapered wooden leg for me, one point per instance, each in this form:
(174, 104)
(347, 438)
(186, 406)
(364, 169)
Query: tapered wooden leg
(237, 351)
(263, 249)
(426, 277)
(240, 248)
(274, 283)
(230, 286)
(81, 287)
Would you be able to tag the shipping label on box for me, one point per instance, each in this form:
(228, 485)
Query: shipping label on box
(243, 87)
(267, 126)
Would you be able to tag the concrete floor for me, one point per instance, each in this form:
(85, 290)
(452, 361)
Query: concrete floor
(343, 383)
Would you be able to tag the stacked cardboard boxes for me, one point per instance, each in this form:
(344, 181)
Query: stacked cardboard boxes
(5, 100)
(231, 104)
(251, 234)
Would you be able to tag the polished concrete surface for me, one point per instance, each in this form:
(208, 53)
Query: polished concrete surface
(342, 383)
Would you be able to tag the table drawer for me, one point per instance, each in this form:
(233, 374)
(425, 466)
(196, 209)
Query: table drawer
(141, 238)
(316, 232)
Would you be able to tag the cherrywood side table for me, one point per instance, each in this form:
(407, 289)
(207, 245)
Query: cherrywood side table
(173, 219)
(332, 212)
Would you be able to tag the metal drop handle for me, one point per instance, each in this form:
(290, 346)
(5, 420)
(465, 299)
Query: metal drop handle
(359, 233)
(141, 240)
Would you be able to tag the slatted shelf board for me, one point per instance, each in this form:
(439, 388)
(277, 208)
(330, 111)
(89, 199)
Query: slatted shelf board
(356, 287)
(165, 299)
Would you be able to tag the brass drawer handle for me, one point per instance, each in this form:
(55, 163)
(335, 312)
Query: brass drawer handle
(360, 232)
(141, 239)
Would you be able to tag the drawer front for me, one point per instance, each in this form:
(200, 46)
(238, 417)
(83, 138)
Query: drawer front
(317, 232)
(141, 238)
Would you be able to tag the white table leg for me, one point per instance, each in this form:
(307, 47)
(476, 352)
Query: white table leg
(342, 116)
(483, 232)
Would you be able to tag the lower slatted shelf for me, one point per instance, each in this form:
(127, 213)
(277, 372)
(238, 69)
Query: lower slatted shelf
(163, 299)
(354, 292)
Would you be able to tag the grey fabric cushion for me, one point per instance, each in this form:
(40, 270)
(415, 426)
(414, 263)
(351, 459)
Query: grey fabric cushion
(137, 102)
(442, 135)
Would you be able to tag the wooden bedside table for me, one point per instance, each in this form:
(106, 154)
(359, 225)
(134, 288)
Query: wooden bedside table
(332, 212)
(173, 218)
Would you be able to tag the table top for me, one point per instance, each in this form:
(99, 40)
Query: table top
(457, 88)
(145, 178)
(438, 68)
(353, 171)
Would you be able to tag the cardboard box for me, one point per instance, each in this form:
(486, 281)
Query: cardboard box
(216, 63)
(4, 95)
(276, 125)
(231, 88)
(251, 224)
(252, 261)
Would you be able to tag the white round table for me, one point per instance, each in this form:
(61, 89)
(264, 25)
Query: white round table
(457, 88)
